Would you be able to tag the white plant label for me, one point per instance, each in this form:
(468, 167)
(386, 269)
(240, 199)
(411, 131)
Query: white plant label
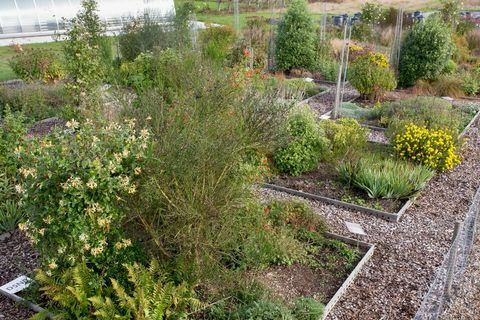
(16, 285)
(355, 228)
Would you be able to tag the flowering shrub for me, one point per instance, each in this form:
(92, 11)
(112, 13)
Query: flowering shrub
(370, 74)
(37, 65)
(433, 148)
(74, 187)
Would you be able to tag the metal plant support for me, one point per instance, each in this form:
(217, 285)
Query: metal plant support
(450, 273)
(341, 78)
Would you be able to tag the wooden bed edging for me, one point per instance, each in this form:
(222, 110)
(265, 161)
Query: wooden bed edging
(370, 249)
(393, 217)
(465, 130)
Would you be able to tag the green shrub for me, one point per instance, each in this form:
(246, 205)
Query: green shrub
(436, 149)
(217, 42)
(385, 178)
(295, 44)
(425, 52)
(432, 112)
(306, 146)
(325, 62)
(264, 310)
(471, 83)
(11, 214)
(37, 65)
(81, 48)
(347, 139)
(307, 309)
(90, 174)
(450, 67)
(370, 74)
(38, 102)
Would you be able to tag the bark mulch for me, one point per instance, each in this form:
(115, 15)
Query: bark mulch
(394, 281)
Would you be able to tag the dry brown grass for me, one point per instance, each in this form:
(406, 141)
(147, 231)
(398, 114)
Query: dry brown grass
(355, 5)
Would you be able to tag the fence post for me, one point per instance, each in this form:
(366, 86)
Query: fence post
(452, 260)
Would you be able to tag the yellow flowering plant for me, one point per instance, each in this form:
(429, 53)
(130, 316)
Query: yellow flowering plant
(434, 148)
(74, 187)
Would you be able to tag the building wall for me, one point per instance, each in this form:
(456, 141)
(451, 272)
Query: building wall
(30, 18)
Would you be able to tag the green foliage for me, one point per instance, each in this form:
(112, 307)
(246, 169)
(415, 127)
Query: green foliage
(217, 42)
(38, 102)
(373, 12)
(370, 74)
(81, 293)
(82, 46)
(295, 46)
(432, 112)
(264, 310)
(449, 86)
(471, 83)
(450, 11)
(195, 201)
(150, 32)
(425, 52)
(37, 64)
(385, 178)
(450, 67)
(307, 309)
(436, 149)
(325, 62)
(11, 213)
(306, 146)
(81, 180)
(347, 139)
(296, 215)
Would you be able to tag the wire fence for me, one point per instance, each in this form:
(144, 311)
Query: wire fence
(450, 273)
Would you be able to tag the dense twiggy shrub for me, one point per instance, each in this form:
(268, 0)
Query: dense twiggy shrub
(81, 180)
(295, 44)
(432, 112)
(385, 178)
(436, 149)
(306, 146)
(80, 293)
(38, 102)
(371, 75)
(347, 139)
(37, 65)
(217, 42)
(425, 51)
(195, 201)
(82, 53)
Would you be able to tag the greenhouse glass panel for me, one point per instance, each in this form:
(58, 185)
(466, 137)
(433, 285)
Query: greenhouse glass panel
(28, 16)
(9, 17)
(47, 15)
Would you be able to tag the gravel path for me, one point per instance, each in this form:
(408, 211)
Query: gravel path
(408, 253)
(16, 258)
(325, 102)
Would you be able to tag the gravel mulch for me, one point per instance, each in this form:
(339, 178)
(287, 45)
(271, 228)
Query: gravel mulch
(378, 137)
(393, 283)
(17, 258)
(46, 126)
(325, 102)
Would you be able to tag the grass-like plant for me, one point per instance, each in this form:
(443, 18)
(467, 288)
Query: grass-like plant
(385, 178)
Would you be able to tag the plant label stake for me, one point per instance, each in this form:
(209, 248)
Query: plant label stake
(355, 228)
(17, 285)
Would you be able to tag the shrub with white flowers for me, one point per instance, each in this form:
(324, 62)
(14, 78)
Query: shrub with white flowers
(74, 186)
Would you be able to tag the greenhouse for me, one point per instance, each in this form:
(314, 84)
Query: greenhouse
(20, 19)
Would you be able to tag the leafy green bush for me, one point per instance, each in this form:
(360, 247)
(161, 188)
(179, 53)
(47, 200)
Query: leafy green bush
(38, 102)
(37, 65)
(432, 112)
(295, 44)
(347, 139)
(450, 67)
(89, 176)
(306, 146)
(307, 309)
(265, 310)
(217, 42)
(471, 83)
(425, 52)
(325, 61)
(370, 74)
(385, 178)
(81, 48)
(436, 149)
